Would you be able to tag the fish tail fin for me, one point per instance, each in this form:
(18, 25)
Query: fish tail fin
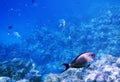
(66, 65)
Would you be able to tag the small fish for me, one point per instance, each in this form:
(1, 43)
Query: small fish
(10, 27)
(16, 34)
(82, 60)
(11, 32)
(33, 1)
(62, 22)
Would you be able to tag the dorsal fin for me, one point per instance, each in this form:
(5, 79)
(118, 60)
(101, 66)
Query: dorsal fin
(76, 58)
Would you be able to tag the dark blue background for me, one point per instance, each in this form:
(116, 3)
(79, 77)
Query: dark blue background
(24, 15)
(48, 49)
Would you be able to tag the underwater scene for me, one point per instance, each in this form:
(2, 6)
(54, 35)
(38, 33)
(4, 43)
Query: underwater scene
(59, 40)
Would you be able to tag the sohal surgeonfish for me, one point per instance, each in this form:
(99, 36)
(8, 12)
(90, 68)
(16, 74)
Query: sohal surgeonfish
(82, 60)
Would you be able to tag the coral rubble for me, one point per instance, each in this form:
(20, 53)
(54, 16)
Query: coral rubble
(106, 69)
(18, 69)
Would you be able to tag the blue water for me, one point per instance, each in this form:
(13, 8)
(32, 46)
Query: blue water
(41, 39)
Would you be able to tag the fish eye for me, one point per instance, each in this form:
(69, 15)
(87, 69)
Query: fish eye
(92, 54)
(10, 27)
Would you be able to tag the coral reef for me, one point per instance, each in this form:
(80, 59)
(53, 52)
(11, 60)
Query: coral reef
(105, 69)
(18, 69)
(100, 35)
(6, 79)
(48, 48)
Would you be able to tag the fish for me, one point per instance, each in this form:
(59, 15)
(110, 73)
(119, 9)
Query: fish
(33, 1)
(82, 60)
(16, 34)
(62, 23)
(11, 32)
(10, 27)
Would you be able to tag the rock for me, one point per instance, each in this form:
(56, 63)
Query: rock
(23, 80)
(18, 68)
(52, 78)
(71, 79)
(118, 80)
(6, 79)
(107, 69)
(99, 71)
(91, 77)
(118, 62)
(33, 76)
